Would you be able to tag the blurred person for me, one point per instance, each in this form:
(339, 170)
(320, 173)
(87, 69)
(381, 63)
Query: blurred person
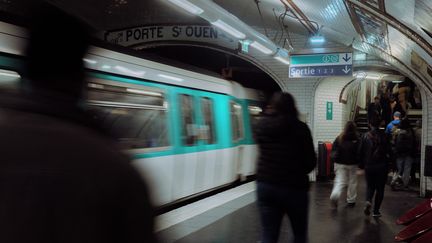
(287, 155)
(374, 109)
(417, 151)
(395, 122)
(396, 107)
(386, 110)
(373, 156)
(344, 155)
(404, 149)
(61, 179)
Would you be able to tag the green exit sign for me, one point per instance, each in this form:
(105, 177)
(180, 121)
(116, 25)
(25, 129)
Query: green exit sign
(329, 111)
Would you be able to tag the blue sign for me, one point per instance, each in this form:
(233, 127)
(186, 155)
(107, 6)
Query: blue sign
(319, 71)
(321, 65)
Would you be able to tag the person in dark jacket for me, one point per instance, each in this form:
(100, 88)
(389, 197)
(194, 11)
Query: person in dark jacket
(374, 109)
(344, 155)
(404, 149)
(287, 155)
(61, 179)
(374, 152)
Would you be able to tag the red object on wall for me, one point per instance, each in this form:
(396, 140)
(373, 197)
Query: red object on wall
(328, 160)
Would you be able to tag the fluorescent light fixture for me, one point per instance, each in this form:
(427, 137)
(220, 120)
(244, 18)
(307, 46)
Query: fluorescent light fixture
(361, 75)
(261, 48)
(317, 39)
(106, 66)
(283, 60)
(90, 61)
(9, 74)
(188, 6)
(230, 30)
(129, 72)
(360, 56)
(138, 91)
(376, 77)
(170, 77)
(397, 81)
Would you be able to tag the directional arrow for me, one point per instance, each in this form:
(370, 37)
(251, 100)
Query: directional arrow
(346, 69)
(346, 58)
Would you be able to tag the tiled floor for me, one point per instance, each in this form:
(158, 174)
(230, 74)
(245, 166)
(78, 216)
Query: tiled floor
(237, 220)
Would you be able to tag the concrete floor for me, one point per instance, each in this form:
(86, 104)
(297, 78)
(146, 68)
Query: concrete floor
(344, 225)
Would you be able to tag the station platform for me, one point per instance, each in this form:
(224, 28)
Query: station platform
(232, 216)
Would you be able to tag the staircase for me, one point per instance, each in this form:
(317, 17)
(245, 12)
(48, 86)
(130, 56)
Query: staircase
(362, 123)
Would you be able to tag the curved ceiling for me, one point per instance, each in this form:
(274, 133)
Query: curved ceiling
(396, 31)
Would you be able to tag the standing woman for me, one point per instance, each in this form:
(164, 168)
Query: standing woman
(374, 150)
(344, 155)
(287, 155)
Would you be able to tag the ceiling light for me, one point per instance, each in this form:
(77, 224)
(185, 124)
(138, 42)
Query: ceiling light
(373, 76)
(317, 39)
(130, 72)
(89, 61)
(397, 81)
(230, 30)
(170, 77)
(186, 5)
(261, 48)
(283, 60)
(360, 56)
(106, 66)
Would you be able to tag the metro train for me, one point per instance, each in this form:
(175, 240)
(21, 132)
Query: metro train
(188, 133)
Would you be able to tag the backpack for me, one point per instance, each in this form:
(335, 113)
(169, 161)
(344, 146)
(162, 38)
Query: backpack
(378, 150)
(404, 142)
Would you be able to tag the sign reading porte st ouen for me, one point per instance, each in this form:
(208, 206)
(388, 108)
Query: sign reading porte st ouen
(321, 65)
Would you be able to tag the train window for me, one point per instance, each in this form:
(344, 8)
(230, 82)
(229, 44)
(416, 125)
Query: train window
(255, 115)
(136, 117)
(9, 80)
(207, 133)
(189, 129)
(236, 121)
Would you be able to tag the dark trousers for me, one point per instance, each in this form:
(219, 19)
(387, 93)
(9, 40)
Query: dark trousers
(375, 182)
(276, 201)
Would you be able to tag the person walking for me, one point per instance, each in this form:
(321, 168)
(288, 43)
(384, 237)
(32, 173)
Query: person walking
(395, 122)
(61, 178)
(404, 149)
(374, 152)
(287, 155)
(374, 109)
(344, 155)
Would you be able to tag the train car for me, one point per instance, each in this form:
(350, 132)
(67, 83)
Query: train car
(188, 133)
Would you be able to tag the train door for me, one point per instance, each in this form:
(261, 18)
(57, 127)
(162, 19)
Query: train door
(209, 169)
(237, 135)
(186, 162)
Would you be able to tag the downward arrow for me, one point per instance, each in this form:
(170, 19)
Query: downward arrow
(346, 69)
(346, 58)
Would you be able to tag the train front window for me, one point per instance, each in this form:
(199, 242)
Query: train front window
(236, 121)
(189, 129)
(136, 117)
(207, 129)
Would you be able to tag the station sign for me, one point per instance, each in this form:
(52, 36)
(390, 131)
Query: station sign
(137, 36)
(320, 65)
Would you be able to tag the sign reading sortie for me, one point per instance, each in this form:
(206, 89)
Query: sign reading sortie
(145, 34)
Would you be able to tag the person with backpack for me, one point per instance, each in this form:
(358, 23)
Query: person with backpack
(344, 156)
(404, 149)
(373, 154)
